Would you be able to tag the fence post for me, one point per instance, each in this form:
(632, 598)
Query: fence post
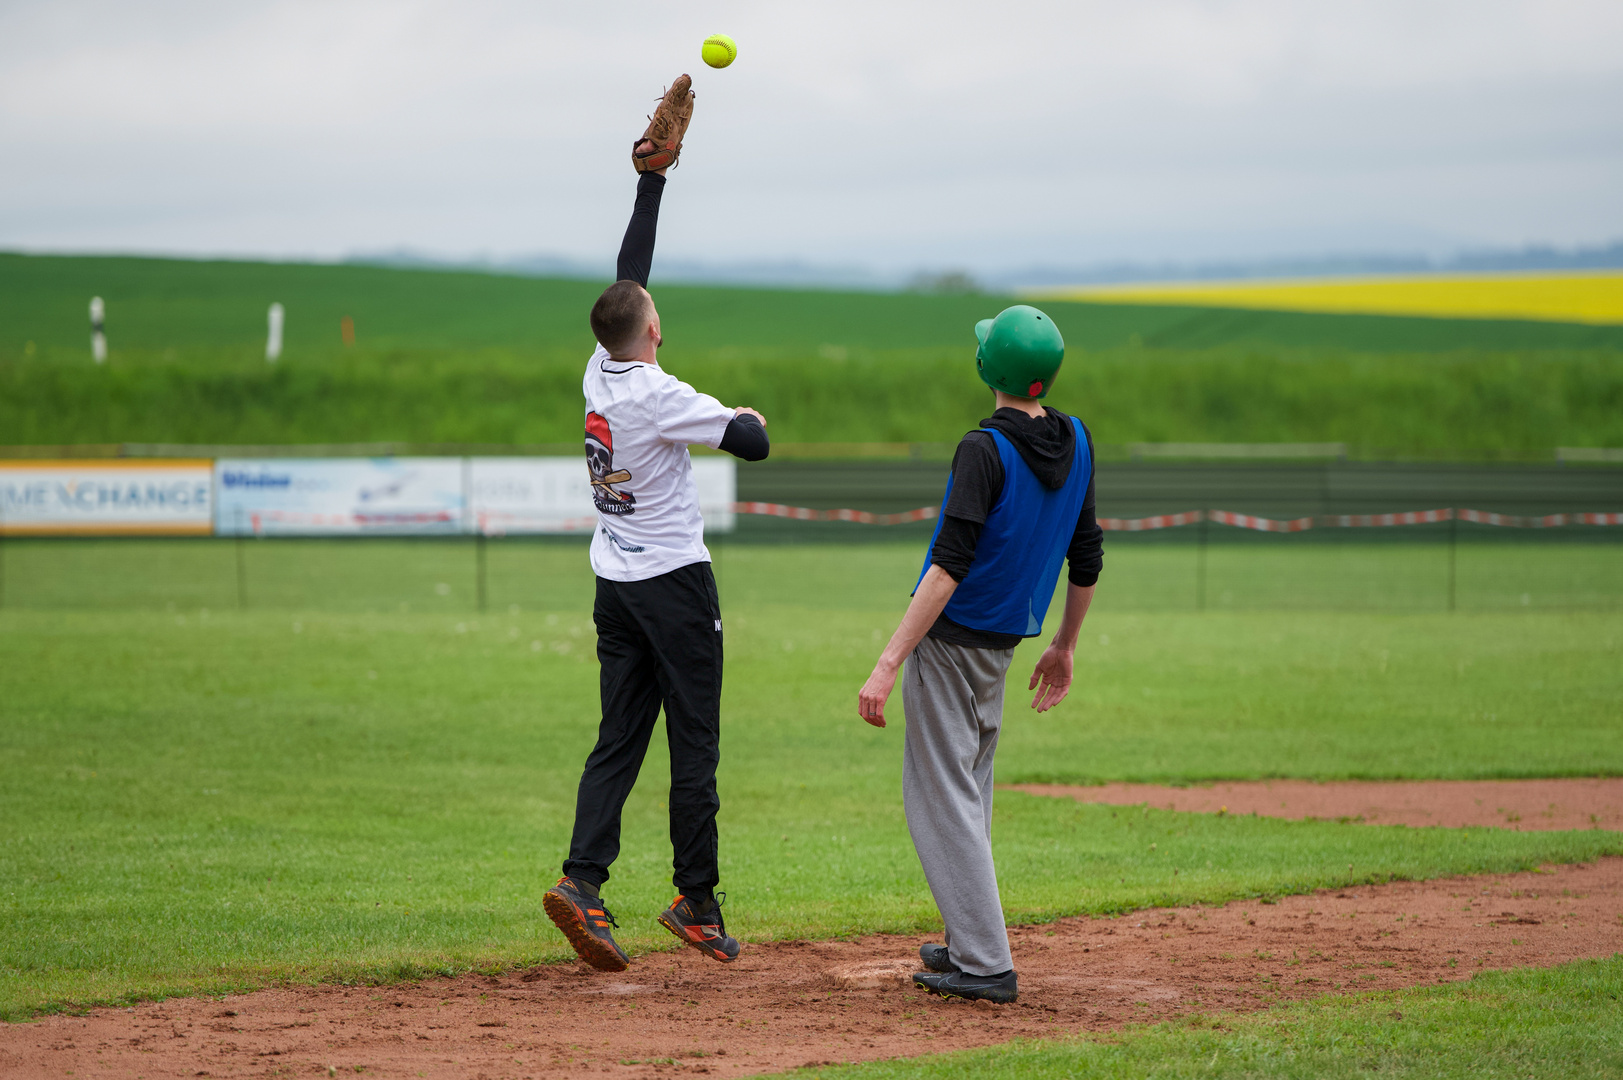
(1453, 553)
(242, 577)
(471, 522)
(479, 564)
(242, 567)
(1200, 563)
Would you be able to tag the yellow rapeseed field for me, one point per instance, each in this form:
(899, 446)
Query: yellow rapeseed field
(1569, 297)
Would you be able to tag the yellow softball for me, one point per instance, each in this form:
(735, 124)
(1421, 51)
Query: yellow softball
(719, 50)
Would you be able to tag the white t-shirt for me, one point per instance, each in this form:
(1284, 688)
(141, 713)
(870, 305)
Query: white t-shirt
(640, 420)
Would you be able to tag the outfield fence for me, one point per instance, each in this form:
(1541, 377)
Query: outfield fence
(1603, 590)
(1439, 560)
(476, 534)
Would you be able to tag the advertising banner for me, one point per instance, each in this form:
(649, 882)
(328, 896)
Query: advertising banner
(518, 495)
(514, 496)
(498, 496)
(340, 496)
(717, 480)
(105, 497)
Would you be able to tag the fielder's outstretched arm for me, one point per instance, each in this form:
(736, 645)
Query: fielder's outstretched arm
(637, 249)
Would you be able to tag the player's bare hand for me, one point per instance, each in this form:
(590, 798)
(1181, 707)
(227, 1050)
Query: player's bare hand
(1054, 673)
(745, 410)
(647, 147)
(875, 692)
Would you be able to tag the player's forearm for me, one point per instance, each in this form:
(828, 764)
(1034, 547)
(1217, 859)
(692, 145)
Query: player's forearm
(746, 438)
(928, 601)
(1077, 600)
(637, 249)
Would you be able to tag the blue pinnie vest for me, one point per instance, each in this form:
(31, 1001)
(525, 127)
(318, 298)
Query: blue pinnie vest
(1022, 545)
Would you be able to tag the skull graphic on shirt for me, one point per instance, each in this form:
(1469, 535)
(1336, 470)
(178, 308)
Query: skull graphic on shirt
(608, 498)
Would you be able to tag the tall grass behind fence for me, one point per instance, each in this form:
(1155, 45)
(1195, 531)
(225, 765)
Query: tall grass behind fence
(450, 357)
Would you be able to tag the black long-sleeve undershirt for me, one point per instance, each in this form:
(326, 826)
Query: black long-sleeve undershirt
(745, 438)
(637, 249)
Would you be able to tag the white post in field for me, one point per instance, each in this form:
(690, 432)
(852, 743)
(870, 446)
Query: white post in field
(98, 335)
(273, 343)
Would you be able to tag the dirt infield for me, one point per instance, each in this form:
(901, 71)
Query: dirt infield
(796, 1003)
(1579, 803)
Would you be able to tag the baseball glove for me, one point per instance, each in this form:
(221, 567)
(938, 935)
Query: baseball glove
(666, 128)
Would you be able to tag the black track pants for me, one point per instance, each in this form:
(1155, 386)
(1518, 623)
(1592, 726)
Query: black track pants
(658, 643)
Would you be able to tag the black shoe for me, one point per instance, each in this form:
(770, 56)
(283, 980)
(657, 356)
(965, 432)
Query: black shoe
(585, 922)
(703, 930)
(1001, 989)
(936, 959)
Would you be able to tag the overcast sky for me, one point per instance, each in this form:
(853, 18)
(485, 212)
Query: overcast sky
(983, 135)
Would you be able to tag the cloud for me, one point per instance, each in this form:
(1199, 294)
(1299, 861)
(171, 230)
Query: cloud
(885, 133)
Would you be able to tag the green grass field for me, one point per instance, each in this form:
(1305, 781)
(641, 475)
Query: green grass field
(200, 800)
(1564, 1022)
(361, 776)
(476, 358)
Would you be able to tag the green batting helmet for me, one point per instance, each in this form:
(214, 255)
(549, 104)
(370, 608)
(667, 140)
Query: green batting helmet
(1020, 351)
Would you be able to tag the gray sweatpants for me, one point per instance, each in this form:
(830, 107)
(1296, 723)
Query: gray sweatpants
(953, 697)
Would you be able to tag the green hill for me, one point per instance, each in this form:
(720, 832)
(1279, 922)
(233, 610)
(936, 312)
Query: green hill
(444, 356)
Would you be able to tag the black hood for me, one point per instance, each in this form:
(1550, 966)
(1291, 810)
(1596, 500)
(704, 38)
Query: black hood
(1047, 443)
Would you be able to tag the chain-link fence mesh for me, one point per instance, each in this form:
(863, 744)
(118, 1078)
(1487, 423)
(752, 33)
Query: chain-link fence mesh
(1453, 566)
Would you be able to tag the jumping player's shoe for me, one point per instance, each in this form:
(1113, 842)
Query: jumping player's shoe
(1001, 989)
(936, 959)
(703, 930)
(585, 922)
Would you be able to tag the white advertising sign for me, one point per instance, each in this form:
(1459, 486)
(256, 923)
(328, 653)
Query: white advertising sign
(105, 496)
(554, 495)
(717, 478)
(416, 496)
(532, 495)
(339, 496)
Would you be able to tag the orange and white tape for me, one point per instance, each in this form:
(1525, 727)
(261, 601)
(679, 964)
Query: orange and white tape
(1412, 517)
(802, 513)
(1159, 521)
(1220, 517)
(1550, 521)
(1259, 524)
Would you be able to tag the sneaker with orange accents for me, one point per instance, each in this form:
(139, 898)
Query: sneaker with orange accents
(704, 930)
(585, 922)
